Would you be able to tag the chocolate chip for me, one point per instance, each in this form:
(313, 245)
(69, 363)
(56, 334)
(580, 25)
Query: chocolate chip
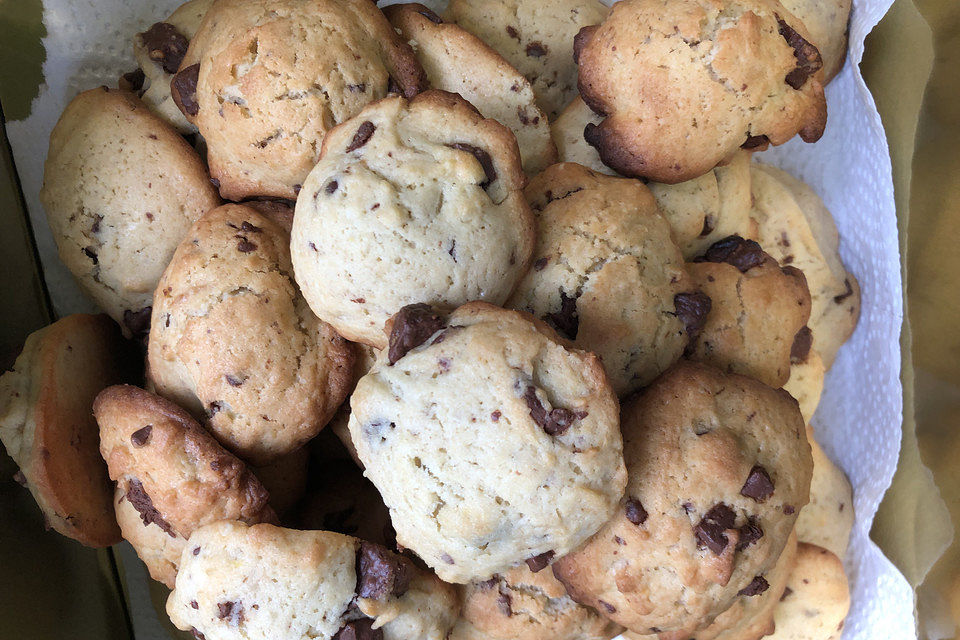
(620, 541)
(536, 50)
(540, 264)
(141, 437)
(165, 45)
(232, 611)
(512, 32)
(749, 534)
(808, 56)
(245, 246)
(554, 423)
(140, 501)
(296, 189)
(495, 416)
(453, 250)
(194, 604)
(786, 593)
(482, 157)
(233, 381)
(692, 309)
(789, 509)
(132, 80)
(734, 250)
(802, 342)
(183, 89)
(635, 512)
(755, 142)
(609, 607)
(540, 562)
(503, 603)
(846, 294)
(138, 322)
(196, 551)
(758, 486)
(757, 586)
(331, 187)
(249, 228)
(446, 558)
(214, 408)
(566, 321)
(429, 15)
(708, 226)
(709, 532)
(580, 41)
(525, 119)
(362, 136)
(359, 630)
(412, 325)
(380, 573)
(357, 88)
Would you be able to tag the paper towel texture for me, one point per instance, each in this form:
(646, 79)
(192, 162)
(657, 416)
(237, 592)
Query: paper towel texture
(858, 422)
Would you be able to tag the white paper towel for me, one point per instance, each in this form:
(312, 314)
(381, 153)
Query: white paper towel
(858, 422)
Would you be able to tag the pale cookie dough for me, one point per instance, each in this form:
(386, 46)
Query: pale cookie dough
(47, 425)
(158, 550)
(806, 382)
(817, 598)
(827, 520)
(412, 201)
(490, 440)
(120, 188)
(536, 37)
(718, 470)
(606, 273)
(233, 340)
(459, 62)
(828, 22)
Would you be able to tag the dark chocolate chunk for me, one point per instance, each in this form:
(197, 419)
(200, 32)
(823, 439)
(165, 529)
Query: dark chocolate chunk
(709, 224)
(446, 558)
(722, 515)
(635, 512)
(692, 309)
(758, 486)
(194, 604)
(789, 509)
(132, 80)
(486, 585)
(381, 573)
(165, 45)
(233, 381)
(709, 532)
(802, 342)
(141, 437)
(556, 421)
(540, 562)
(249, 228)
(786, 594)
(183, 89)
(749, 534)
(196, 551)
(412, 325)
(95, 227)
(743, 254)
(214, 408)
(808, 56)
(512, 32)
(245, 246)
(482, 157)
(140, 501)
(755, 142)
(362, 136)
(359, 630)
(536, 49)
(566, 321)
(138, 322)
(757, 586)
(331, 187)
(540, 264)
(232, 611)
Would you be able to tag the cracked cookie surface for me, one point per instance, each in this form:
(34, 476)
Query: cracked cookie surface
(718, 469)
(492, 442)
(232, 339)
(605, 272)
(275, 75)
(412, 201)
(121, 188)
(679, 93)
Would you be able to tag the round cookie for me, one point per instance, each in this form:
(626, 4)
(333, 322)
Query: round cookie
(490, 440)
(233, 339)
(758, 314)
(606, 273)
(700, 211)
(679, 96)
(522, 605)
(828, 24)
(157, 549)
(265, 80)
(816, 600)
(806, 382)
(796, 228)
(265, 582)
(536, 37)
(459, 62)
(159, 51)
(120, 188)
(412, 201)
(718, 468)
(172, 471)
(285, 480)
(827, 520)
(47, 426)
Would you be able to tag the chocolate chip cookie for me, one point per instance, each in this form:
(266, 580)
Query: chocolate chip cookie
(233, 341)
(120, 189)
(265, 582)
(412, 201)
(678, 94)
(816, 600)
(492, 441)
(718, 470)
(47, 426)
(459, 62)
(806, 379)
(158, 550)
(828, 24)
(606, 273)
(265, 80)
(827, 520)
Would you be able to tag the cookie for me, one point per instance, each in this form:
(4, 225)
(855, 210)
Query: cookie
(806, 382)
(828, 24)
(491, 441)
(459, 62)
(718, 468)
(120, 188)
(158, 550)
(606, 273)
(47, 426)
(262, 581)
(816, 600)
(700, 211)
(536, 37)
(233, 339)
(796, 228)
(159, 50)
(285, 480)
(678, 95)
(412, 201)
(522, 605)
(172, 471)
(827, 520)
(265, 80)
(366, 357)
(758, 313)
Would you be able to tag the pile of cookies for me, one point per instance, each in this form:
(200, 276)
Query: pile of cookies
(467, 322)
